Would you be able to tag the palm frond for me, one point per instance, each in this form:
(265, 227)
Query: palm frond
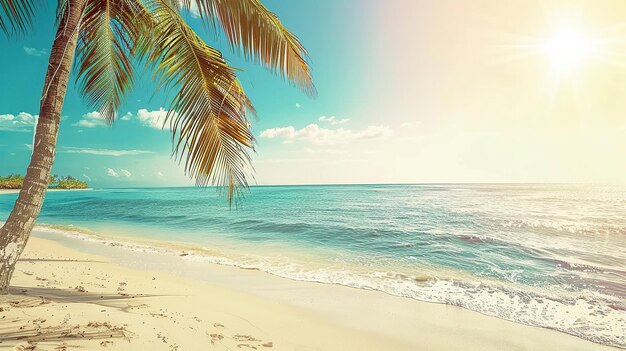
(210, 129)
(62, 8)
(252, 28)
(16, 16)
(109, 31)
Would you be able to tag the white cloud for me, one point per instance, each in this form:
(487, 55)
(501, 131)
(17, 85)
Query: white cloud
(91, 120)
(159, 174)
(103, 152)
(125, 173)
(154, 119)
(22, 122)
(409, 125)
(35, 51)
(86, 177)
(112, 173)
(298, 105)
(284, 132)
(332, 120)
(322, 136)
(96, 119)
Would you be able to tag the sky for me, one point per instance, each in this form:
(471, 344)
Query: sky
(408, 92)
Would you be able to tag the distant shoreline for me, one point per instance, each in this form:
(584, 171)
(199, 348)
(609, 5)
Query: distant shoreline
(15, 191)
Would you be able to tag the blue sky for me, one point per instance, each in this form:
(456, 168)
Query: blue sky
(88, 149)
(408, 91)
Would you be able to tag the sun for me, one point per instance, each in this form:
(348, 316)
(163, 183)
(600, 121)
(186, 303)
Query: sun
(567, 49)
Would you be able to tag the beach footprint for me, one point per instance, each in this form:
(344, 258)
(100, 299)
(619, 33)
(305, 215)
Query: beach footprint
(219, 336)
(249, 342)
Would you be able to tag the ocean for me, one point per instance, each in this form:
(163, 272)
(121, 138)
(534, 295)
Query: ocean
(546, 255)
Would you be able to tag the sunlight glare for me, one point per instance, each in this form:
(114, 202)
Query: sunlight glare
(567, 49)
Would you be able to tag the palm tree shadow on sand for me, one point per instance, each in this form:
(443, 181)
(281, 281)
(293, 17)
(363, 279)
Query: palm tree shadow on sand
(31, 331)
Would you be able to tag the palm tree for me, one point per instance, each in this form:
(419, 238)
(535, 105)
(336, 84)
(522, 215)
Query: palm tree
(208, 109)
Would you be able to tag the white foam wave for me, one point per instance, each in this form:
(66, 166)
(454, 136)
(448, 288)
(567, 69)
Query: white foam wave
(592, 316)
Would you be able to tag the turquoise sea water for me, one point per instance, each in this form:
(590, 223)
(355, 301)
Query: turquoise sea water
(545, 255)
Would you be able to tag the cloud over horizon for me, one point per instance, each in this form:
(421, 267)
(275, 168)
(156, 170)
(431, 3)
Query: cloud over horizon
(315, 134)
(91, 120)
(154, 119)
(22, 122)
(103, 152)
(332, 120)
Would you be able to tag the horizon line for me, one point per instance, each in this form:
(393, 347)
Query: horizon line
(372, 184)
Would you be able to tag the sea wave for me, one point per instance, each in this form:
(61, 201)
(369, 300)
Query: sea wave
(594, 316)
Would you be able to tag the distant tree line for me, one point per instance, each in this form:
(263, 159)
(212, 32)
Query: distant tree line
(15, 181)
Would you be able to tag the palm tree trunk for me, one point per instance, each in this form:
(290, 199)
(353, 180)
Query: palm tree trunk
(16, 230)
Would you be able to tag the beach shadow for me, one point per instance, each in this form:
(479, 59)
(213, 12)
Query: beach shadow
(30, 331)
(28, 296)
(31, 334)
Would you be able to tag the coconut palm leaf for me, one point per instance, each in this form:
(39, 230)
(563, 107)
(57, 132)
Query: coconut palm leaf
(16, 15)
(208, 119)
(108, 33)
(252, 28)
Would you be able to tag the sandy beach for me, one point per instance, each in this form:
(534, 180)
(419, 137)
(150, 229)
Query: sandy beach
(64, 297)
(9, 191)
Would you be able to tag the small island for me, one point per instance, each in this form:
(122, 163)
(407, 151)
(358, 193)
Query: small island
(15, 181)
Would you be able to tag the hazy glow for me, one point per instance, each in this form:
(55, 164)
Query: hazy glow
(502, 91)
(567, 49)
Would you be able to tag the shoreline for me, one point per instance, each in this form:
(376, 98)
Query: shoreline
(15, 191)
(438, 290)
(358, 319)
